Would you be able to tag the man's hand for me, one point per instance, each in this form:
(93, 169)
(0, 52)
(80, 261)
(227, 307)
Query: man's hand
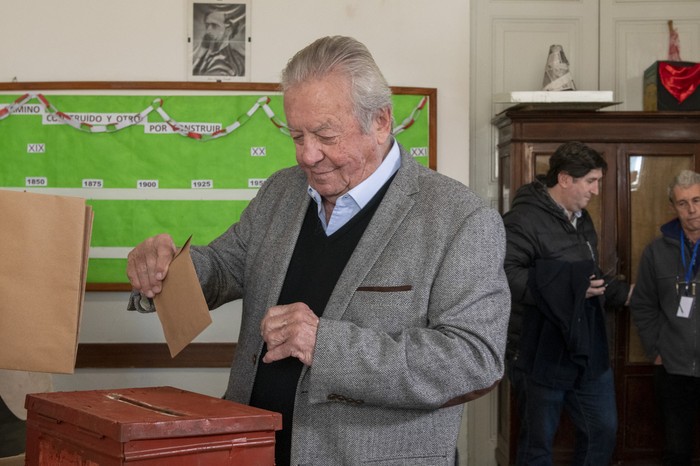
(290, 330)
(148, 264)
(629, 295)
(596, 288)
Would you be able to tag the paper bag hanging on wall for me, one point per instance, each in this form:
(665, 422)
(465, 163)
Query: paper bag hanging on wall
(44, 245)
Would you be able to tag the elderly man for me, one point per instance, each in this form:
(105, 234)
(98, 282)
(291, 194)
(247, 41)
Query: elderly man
(664, 311)
(374, 297)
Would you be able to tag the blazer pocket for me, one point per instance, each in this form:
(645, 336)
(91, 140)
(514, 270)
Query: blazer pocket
(422, 460)
(389, 308)
(385, 289)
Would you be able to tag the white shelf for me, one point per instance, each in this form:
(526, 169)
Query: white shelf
(529, 97)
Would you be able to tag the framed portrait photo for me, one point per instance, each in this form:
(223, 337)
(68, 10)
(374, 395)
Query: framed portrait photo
(219, 40)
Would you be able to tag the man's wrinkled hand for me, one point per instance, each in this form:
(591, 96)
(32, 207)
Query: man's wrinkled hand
(290, 330)
(148, 263)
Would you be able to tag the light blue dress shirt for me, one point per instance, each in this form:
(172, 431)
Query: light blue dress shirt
(354, 200)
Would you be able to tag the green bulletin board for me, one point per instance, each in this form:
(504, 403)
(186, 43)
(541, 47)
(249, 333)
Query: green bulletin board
(181, 158)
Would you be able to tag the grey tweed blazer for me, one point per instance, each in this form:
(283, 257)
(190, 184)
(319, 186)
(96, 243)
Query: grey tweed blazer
(417, 319)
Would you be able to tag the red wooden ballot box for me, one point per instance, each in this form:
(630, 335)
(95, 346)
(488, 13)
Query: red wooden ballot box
(146, 427)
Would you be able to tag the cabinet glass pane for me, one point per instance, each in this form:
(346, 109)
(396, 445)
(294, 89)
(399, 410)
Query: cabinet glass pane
(649, 178)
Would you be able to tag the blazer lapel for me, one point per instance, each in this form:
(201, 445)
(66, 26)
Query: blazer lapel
(393, 209)
(284, 230)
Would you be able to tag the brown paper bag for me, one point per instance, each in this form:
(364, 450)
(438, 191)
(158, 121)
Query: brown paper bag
(44, 246)
(181, 307)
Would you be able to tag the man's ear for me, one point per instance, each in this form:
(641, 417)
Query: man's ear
(564, 179)
(382, 125)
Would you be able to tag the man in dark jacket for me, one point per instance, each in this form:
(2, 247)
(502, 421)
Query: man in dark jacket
(664, 310)
(557, 344)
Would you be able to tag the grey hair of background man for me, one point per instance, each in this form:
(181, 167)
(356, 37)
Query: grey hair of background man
(685, 179)
(369, 90)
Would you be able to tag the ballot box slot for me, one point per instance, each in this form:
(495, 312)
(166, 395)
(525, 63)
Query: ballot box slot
(144, 405)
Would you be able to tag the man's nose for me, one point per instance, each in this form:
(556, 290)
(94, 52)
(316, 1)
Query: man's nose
(310, 152)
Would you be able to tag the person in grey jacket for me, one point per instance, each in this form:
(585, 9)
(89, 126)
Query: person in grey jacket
(664, 310)
(374, 296)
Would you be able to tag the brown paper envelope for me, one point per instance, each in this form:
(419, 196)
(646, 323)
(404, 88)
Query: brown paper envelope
(87, 235)
(181, 307)
(44, 241)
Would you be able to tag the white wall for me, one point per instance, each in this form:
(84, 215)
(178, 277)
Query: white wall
(414, 43)
(417, 43)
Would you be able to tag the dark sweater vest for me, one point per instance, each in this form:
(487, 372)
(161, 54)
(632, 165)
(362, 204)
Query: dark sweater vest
(315, 267)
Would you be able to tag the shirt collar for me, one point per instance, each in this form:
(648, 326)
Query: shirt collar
(572, 215)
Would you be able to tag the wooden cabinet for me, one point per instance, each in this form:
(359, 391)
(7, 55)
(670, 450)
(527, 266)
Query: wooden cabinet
(644, 150)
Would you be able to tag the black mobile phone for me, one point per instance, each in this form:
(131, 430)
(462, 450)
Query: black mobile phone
(608, 277)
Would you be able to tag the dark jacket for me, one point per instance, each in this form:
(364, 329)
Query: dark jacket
(655, 301)
(542, 242)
